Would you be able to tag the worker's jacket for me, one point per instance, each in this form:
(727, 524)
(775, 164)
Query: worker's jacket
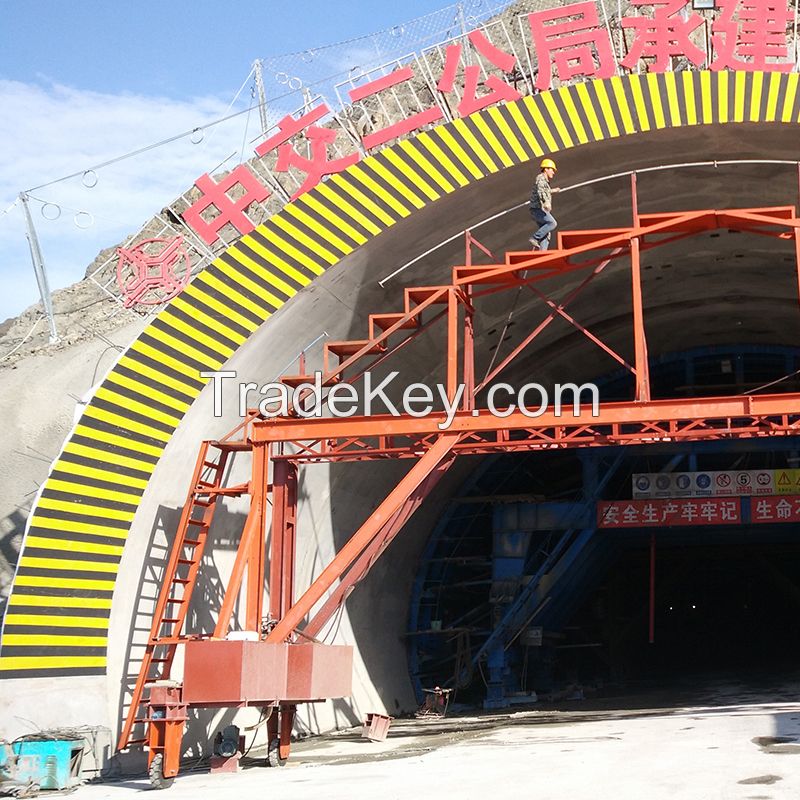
(541, 196)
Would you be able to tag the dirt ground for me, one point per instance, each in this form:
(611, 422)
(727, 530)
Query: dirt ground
(721, 739)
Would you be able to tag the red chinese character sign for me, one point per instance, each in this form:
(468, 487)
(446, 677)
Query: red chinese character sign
(664, 35)
(215, 198)
(316, 164)
(498, 90)
(153, 271)
(668, 513)
(405, 126)
(571, 41)
(781, 508)
(751, 35)
(470, 73)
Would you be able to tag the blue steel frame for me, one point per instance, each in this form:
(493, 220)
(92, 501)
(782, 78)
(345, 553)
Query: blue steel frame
(430, 570)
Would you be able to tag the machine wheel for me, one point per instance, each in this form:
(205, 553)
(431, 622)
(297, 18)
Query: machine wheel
(274, 754)
(157, 779)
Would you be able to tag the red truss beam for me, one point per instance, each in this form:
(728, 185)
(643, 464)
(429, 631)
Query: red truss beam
(652, 230)
(473, 431)
(281, 446)
(382, 437)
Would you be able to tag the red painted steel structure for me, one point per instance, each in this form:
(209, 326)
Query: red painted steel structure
(280, 446)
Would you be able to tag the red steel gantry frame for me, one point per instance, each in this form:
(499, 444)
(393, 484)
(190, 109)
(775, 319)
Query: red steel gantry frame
(280, 446)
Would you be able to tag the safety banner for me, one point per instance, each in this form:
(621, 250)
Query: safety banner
(715, 483)
(666, 513)
(775, 509)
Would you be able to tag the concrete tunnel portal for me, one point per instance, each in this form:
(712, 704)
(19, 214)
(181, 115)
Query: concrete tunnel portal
(716, 300)
(720, 316)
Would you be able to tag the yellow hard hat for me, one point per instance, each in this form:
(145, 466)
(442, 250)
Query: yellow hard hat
(548, 162)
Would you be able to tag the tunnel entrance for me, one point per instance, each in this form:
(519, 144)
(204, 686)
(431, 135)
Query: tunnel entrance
(724, 597)
(726, 603)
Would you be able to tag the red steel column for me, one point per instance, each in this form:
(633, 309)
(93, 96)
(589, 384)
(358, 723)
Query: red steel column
(468, 401)
(639, 339)
(255, 564)
(797, 257)
(652, 588)
(364, 536)
(284, 521)
(452, 344)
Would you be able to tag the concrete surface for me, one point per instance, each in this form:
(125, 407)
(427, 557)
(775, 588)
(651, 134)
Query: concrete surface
(726, 290)
(38, 396)
(720, 740)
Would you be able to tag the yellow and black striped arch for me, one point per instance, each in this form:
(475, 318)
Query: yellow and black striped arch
(57, 617)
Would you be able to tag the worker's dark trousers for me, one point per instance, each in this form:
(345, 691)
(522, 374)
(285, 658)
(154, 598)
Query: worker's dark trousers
(546, 223)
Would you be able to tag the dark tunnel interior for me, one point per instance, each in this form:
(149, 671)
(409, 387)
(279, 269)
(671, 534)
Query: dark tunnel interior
(725, 598)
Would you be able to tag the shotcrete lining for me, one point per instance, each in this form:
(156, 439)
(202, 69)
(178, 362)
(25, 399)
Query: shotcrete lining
(749, 299)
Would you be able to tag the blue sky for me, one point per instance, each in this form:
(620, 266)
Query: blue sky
(87, 80)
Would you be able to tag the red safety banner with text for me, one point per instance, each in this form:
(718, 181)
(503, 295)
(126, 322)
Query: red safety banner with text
(667, 513)
(783, 508)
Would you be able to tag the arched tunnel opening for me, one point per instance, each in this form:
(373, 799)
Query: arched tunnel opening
(733, 293)
(659, 607)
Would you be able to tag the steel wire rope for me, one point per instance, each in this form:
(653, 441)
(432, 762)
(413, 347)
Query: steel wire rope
(246, 126)
(772, 383)
(220, 120)
(75, 211)
(154, 145)
(23, 340)
(611, 176)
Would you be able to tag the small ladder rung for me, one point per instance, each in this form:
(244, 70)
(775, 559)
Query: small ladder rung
(186, 561)
(169, 620)
(351, 347)
(192, 542)
(181, 580)
(176, 600)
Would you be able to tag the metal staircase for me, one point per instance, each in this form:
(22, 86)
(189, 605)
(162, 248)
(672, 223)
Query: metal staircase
(179, 580)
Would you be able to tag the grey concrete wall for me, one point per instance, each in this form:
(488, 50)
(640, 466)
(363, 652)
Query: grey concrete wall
(38, 397)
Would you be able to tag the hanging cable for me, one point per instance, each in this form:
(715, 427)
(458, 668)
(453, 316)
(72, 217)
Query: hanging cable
(247, 124)
(505, 328)
(22, 342)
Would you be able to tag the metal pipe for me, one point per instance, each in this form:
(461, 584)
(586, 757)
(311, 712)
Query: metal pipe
(611, 176)
(652, 588)
(39, 269)
(258, 72)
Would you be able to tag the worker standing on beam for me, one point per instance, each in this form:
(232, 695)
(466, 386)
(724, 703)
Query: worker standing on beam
(541, 205)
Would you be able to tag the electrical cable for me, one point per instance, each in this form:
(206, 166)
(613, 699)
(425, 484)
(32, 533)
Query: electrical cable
(254, 728)
(226, 118)
(74, 210)
(503, 333)
(772, 383)
(24, 339)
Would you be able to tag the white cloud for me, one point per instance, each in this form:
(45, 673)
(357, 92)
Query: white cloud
(48, 131)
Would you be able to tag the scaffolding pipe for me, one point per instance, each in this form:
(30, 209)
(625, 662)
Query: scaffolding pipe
(39, 269)
(258, 72)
